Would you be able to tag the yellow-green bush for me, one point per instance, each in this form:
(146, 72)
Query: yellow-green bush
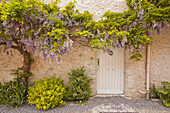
(47, 93)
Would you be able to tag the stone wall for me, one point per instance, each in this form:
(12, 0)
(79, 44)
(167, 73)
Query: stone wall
(160, 58)
(81, 56)
(134, 75)
(98, 7)
(8, 63)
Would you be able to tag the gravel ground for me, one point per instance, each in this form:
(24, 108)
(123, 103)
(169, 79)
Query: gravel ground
(113, 104)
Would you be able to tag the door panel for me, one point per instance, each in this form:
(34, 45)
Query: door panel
(110, 72)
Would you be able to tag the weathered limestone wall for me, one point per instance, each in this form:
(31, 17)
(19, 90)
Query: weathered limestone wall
(8, 63)
(134, 75)
(160, 58)
(98, 7)
(81, 56)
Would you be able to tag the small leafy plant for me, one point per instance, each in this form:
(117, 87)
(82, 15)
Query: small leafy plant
(164, 93)
(47, 93)
(13, 93)
(153, 92)
(79, 89)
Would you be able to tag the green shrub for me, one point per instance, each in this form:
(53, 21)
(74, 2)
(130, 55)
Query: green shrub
(153, 93)
(79, 89)
(13, 93)
(47, 93)
(164, 93)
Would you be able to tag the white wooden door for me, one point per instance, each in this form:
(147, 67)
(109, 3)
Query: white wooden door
(110, 72)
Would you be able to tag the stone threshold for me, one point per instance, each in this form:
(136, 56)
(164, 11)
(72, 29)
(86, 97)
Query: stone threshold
(106, 95)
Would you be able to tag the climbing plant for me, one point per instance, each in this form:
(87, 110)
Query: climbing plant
(130, 29)
(33, 26)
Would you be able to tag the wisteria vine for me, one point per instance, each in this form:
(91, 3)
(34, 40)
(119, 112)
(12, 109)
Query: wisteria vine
(33, 26)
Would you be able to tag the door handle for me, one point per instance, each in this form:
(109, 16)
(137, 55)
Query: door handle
(98, 61)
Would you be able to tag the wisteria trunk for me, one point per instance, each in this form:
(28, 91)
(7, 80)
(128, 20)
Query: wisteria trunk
(26, 64)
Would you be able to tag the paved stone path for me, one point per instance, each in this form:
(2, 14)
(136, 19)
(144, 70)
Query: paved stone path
(115, 104)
